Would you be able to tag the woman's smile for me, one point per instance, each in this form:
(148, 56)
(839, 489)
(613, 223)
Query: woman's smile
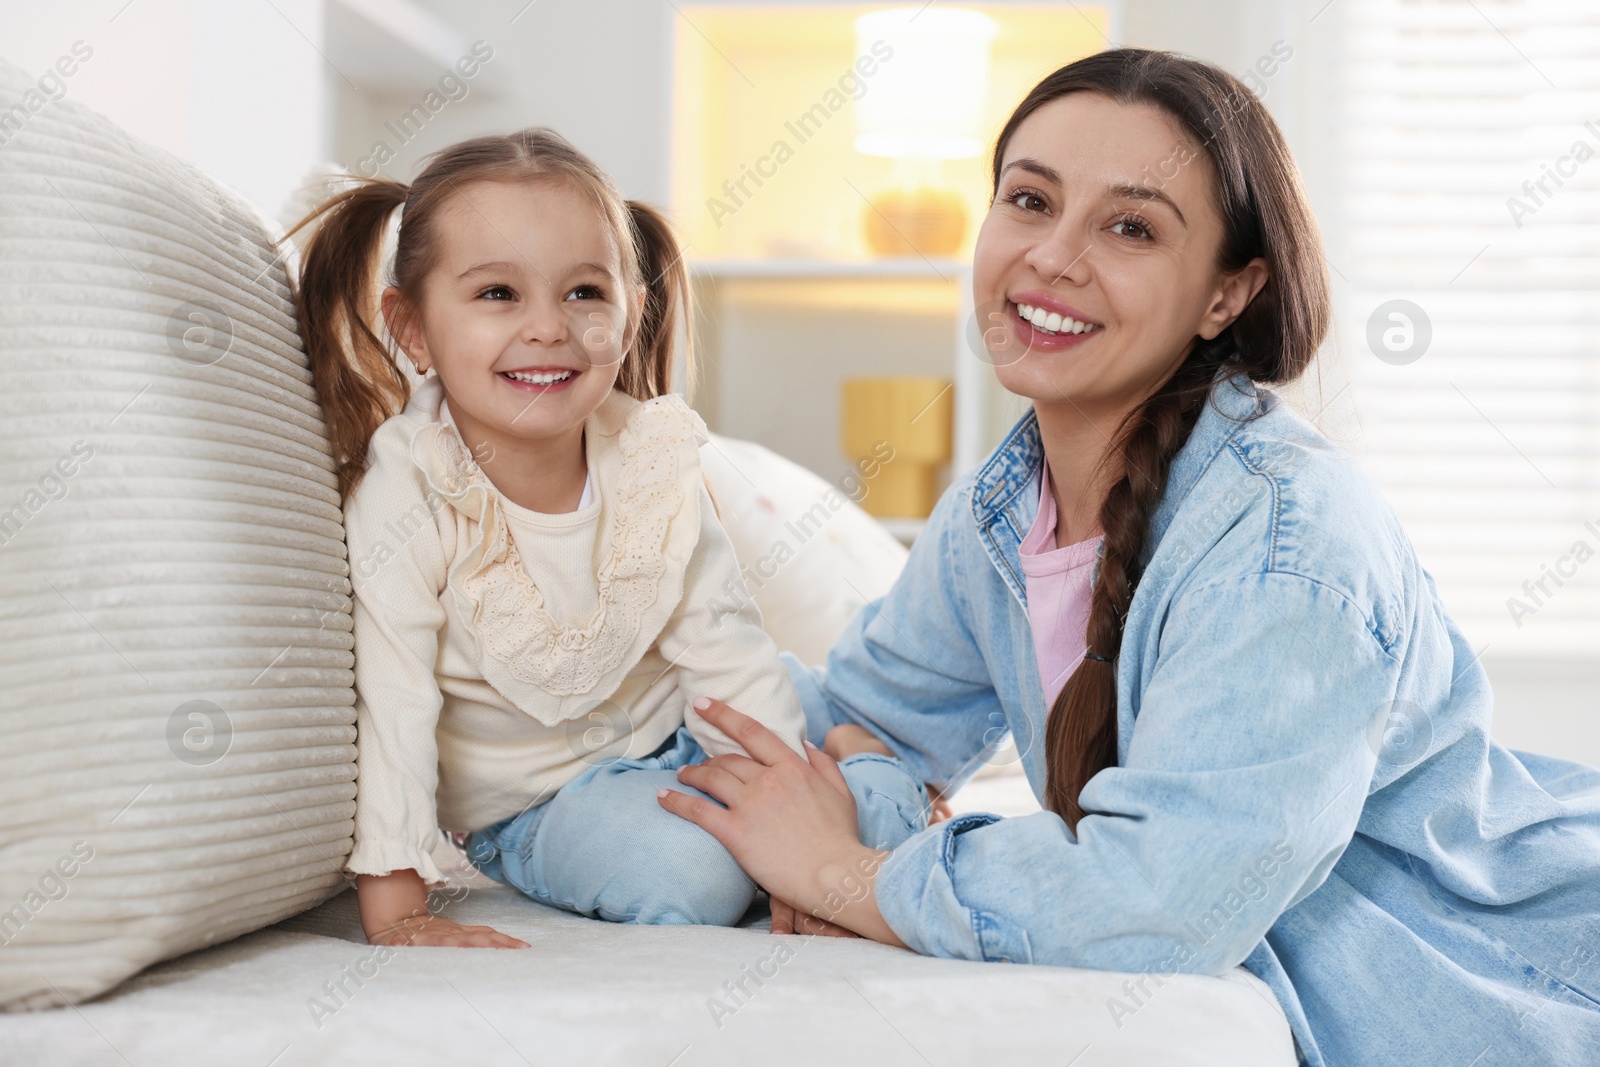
(1043, 323)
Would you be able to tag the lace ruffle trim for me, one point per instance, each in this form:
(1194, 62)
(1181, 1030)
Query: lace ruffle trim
(659, 450)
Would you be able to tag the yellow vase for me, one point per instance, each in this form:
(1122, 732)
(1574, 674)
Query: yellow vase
(906, 222)
(899, 428)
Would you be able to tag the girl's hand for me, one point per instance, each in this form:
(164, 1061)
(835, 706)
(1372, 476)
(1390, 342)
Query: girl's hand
(437, 931)
(395, 910)
(847, 739)
(786, 920)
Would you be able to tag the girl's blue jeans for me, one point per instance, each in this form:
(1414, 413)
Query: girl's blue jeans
(604, 847)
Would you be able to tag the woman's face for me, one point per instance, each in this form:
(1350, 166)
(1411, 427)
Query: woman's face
(1105, 216)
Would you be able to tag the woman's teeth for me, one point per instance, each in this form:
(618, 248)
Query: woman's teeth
(1053, 322)
(541, 378)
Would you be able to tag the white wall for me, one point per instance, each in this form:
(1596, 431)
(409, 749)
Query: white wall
(243, 93)
(238, 89)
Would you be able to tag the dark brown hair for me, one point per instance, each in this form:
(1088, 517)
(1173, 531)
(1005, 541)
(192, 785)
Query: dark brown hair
(356, 378)
(1264, 213)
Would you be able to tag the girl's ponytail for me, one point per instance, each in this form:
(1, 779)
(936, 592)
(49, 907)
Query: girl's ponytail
(357, 382)
(647, 372)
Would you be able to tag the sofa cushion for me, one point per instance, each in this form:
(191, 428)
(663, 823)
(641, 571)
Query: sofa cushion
(176, 703)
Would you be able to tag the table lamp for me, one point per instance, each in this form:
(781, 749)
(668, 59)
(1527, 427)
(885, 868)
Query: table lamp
(926, 103)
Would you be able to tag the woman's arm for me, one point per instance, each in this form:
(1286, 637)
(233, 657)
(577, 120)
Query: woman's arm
(1245, 776)
(1243, 783)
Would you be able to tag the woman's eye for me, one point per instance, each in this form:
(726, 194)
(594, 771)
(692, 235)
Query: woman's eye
(1137, 223)
(498, 292)
(1027, 200)
(587, 292)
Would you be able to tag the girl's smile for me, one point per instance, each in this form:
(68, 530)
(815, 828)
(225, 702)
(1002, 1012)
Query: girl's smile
(540, 380)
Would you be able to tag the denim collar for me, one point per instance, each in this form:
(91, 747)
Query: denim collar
(1005, 488)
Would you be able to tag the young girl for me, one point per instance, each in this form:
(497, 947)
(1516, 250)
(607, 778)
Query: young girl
(533, 552)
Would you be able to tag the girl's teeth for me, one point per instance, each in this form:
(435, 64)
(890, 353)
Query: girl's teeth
(1052, 322)
(548, 378)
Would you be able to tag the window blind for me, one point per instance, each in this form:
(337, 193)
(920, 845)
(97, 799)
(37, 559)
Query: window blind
(1466, 246)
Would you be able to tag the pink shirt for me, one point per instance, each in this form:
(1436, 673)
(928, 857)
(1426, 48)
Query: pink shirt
(1057, 583)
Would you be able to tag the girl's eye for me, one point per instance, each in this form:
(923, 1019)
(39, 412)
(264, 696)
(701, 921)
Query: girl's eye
(1137, 223)
(587, 292)
(498, 292)
(1027, 200)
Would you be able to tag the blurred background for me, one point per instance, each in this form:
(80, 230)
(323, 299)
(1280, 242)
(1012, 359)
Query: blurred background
(825, 164)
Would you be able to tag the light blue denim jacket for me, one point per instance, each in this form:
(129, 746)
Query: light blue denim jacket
(1305, 781)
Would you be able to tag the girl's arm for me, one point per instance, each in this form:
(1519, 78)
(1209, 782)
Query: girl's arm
(398, 574)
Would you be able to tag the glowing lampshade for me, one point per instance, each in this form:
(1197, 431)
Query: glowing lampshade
(927, 101)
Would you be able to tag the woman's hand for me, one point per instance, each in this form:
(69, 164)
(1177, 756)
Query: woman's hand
(789, 821)
(847, 739)
(395, 911)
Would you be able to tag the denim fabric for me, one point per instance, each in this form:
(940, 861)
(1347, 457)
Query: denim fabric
(604, 847)
(1305, 783)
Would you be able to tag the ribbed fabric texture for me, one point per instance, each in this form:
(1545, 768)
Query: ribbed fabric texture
(176, 688)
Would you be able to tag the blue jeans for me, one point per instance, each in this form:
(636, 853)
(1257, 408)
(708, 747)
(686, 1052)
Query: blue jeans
(604, 847)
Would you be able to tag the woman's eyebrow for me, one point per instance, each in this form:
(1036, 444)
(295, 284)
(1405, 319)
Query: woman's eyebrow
(1117, 191)
(1033, 166)
(1129, 191)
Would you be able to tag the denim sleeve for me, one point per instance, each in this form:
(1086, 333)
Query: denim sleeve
(1247, 769)
(908, 669)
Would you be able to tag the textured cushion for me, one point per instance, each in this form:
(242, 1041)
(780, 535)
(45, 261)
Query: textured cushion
(810, 555)
(176, 703)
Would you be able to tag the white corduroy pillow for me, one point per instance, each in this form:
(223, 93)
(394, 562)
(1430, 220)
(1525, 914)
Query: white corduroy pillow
(176, 702)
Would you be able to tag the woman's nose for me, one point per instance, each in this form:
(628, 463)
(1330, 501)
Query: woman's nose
(1062, 253)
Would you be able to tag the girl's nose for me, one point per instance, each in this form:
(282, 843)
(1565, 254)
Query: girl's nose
(544, 322)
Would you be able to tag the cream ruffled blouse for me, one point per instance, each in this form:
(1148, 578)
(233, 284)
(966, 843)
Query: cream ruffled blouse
(500, 651)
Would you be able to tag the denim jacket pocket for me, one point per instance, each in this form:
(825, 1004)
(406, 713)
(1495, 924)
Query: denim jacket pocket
(1000, 939)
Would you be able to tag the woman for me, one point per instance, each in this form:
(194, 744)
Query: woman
(1271, 745)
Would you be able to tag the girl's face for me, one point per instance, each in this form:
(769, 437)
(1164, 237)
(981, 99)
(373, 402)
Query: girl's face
(524, 315)
(1105, 216)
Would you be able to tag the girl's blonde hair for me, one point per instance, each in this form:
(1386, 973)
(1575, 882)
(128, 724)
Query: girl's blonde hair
(358, 381)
